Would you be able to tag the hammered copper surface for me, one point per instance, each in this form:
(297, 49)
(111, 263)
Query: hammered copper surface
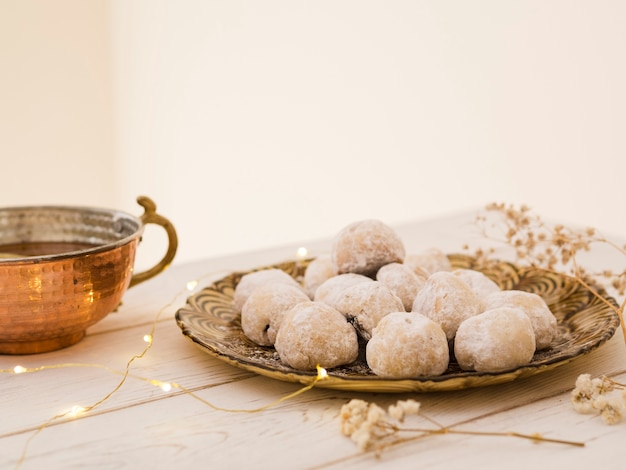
(49, 299)
(53, 302)
(585, 322)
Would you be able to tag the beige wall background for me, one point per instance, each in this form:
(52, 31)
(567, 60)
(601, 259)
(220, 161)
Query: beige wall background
(257, 123)
(56, 116)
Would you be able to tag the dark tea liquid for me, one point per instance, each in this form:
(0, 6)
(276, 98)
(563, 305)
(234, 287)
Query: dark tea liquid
(40, 248)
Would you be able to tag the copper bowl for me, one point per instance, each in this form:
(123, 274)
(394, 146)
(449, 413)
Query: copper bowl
(62, 269)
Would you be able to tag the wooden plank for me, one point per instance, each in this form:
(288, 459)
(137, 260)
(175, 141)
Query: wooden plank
(303, 433)
(141, 425)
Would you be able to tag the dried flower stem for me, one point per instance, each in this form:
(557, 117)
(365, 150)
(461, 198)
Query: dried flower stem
(554, 249)
(618, 310)
(532, 437)
(374, 429)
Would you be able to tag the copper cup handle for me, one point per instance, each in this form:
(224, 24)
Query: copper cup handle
(150, 216)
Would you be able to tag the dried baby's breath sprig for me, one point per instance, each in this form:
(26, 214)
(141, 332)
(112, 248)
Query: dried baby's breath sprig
(601, 395)
(537, 243)
(368, 425)
(372, 428)
(555, 248)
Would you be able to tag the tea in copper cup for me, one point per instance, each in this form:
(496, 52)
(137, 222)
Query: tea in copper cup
(63, 269)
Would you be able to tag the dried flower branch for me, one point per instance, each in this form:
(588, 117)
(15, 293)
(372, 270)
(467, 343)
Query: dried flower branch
(553, 248)
(373, 428)
(556, 249)
(598, 395)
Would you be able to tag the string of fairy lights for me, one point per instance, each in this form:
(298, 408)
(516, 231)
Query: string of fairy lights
(77, 410)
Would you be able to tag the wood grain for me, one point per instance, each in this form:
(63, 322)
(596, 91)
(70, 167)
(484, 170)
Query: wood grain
(142, 426)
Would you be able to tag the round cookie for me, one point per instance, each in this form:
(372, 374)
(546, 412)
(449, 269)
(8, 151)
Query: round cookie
(366, 303)
(496, 340)
(478, 282)
(542, 319)
(319, 270)
(254, 279)
(406, 345)
(446, 300)
(262, 312)
(313, 334)
(364, 246)
(430, 261)
(330, 290)
(402, 281)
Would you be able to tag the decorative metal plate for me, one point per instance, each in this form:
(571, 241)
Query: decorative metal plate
(585, 322)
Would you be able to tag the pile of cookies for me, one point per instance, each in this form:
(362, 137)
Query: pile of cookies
(412, 312)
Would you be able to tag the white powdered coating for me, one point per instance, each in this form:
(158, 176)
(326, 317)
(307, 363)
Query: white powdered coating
(319, 270)
(494, 341)
(313, 334)
(402, 281)
(262, 312)
(368, 303)
(330, 290)
(407, 345)
(252, 280)
(478, 282)
(446, 300)
(363, 247)
(430, 261)
(542, 319)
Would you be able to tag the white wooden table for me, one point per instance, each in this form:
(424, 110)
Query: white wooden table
(142, 426)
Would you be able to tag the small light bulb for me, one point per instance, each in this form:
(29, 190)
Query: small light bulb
(191, 285)
(75, 411)
(147, 338)
(19, 369)
(321, 373)
(302, 252)
(165, 386)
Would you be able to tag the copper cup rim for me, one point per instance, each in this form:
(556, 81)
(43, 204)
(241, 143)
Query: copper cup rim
(114, 215)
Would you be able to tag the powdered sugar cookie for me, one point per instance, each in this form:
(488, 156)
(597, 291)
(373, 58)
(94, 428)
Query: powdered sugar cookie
(319, 270)
(363, 247)
(262, 312)
(313, 334)
(407, 345)
(430, 261)
(478, 282)
(329, 291)
(446, 300)
(494, 341)
(254, 279)
(402, 281)
(364, 304)
(543, 320)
